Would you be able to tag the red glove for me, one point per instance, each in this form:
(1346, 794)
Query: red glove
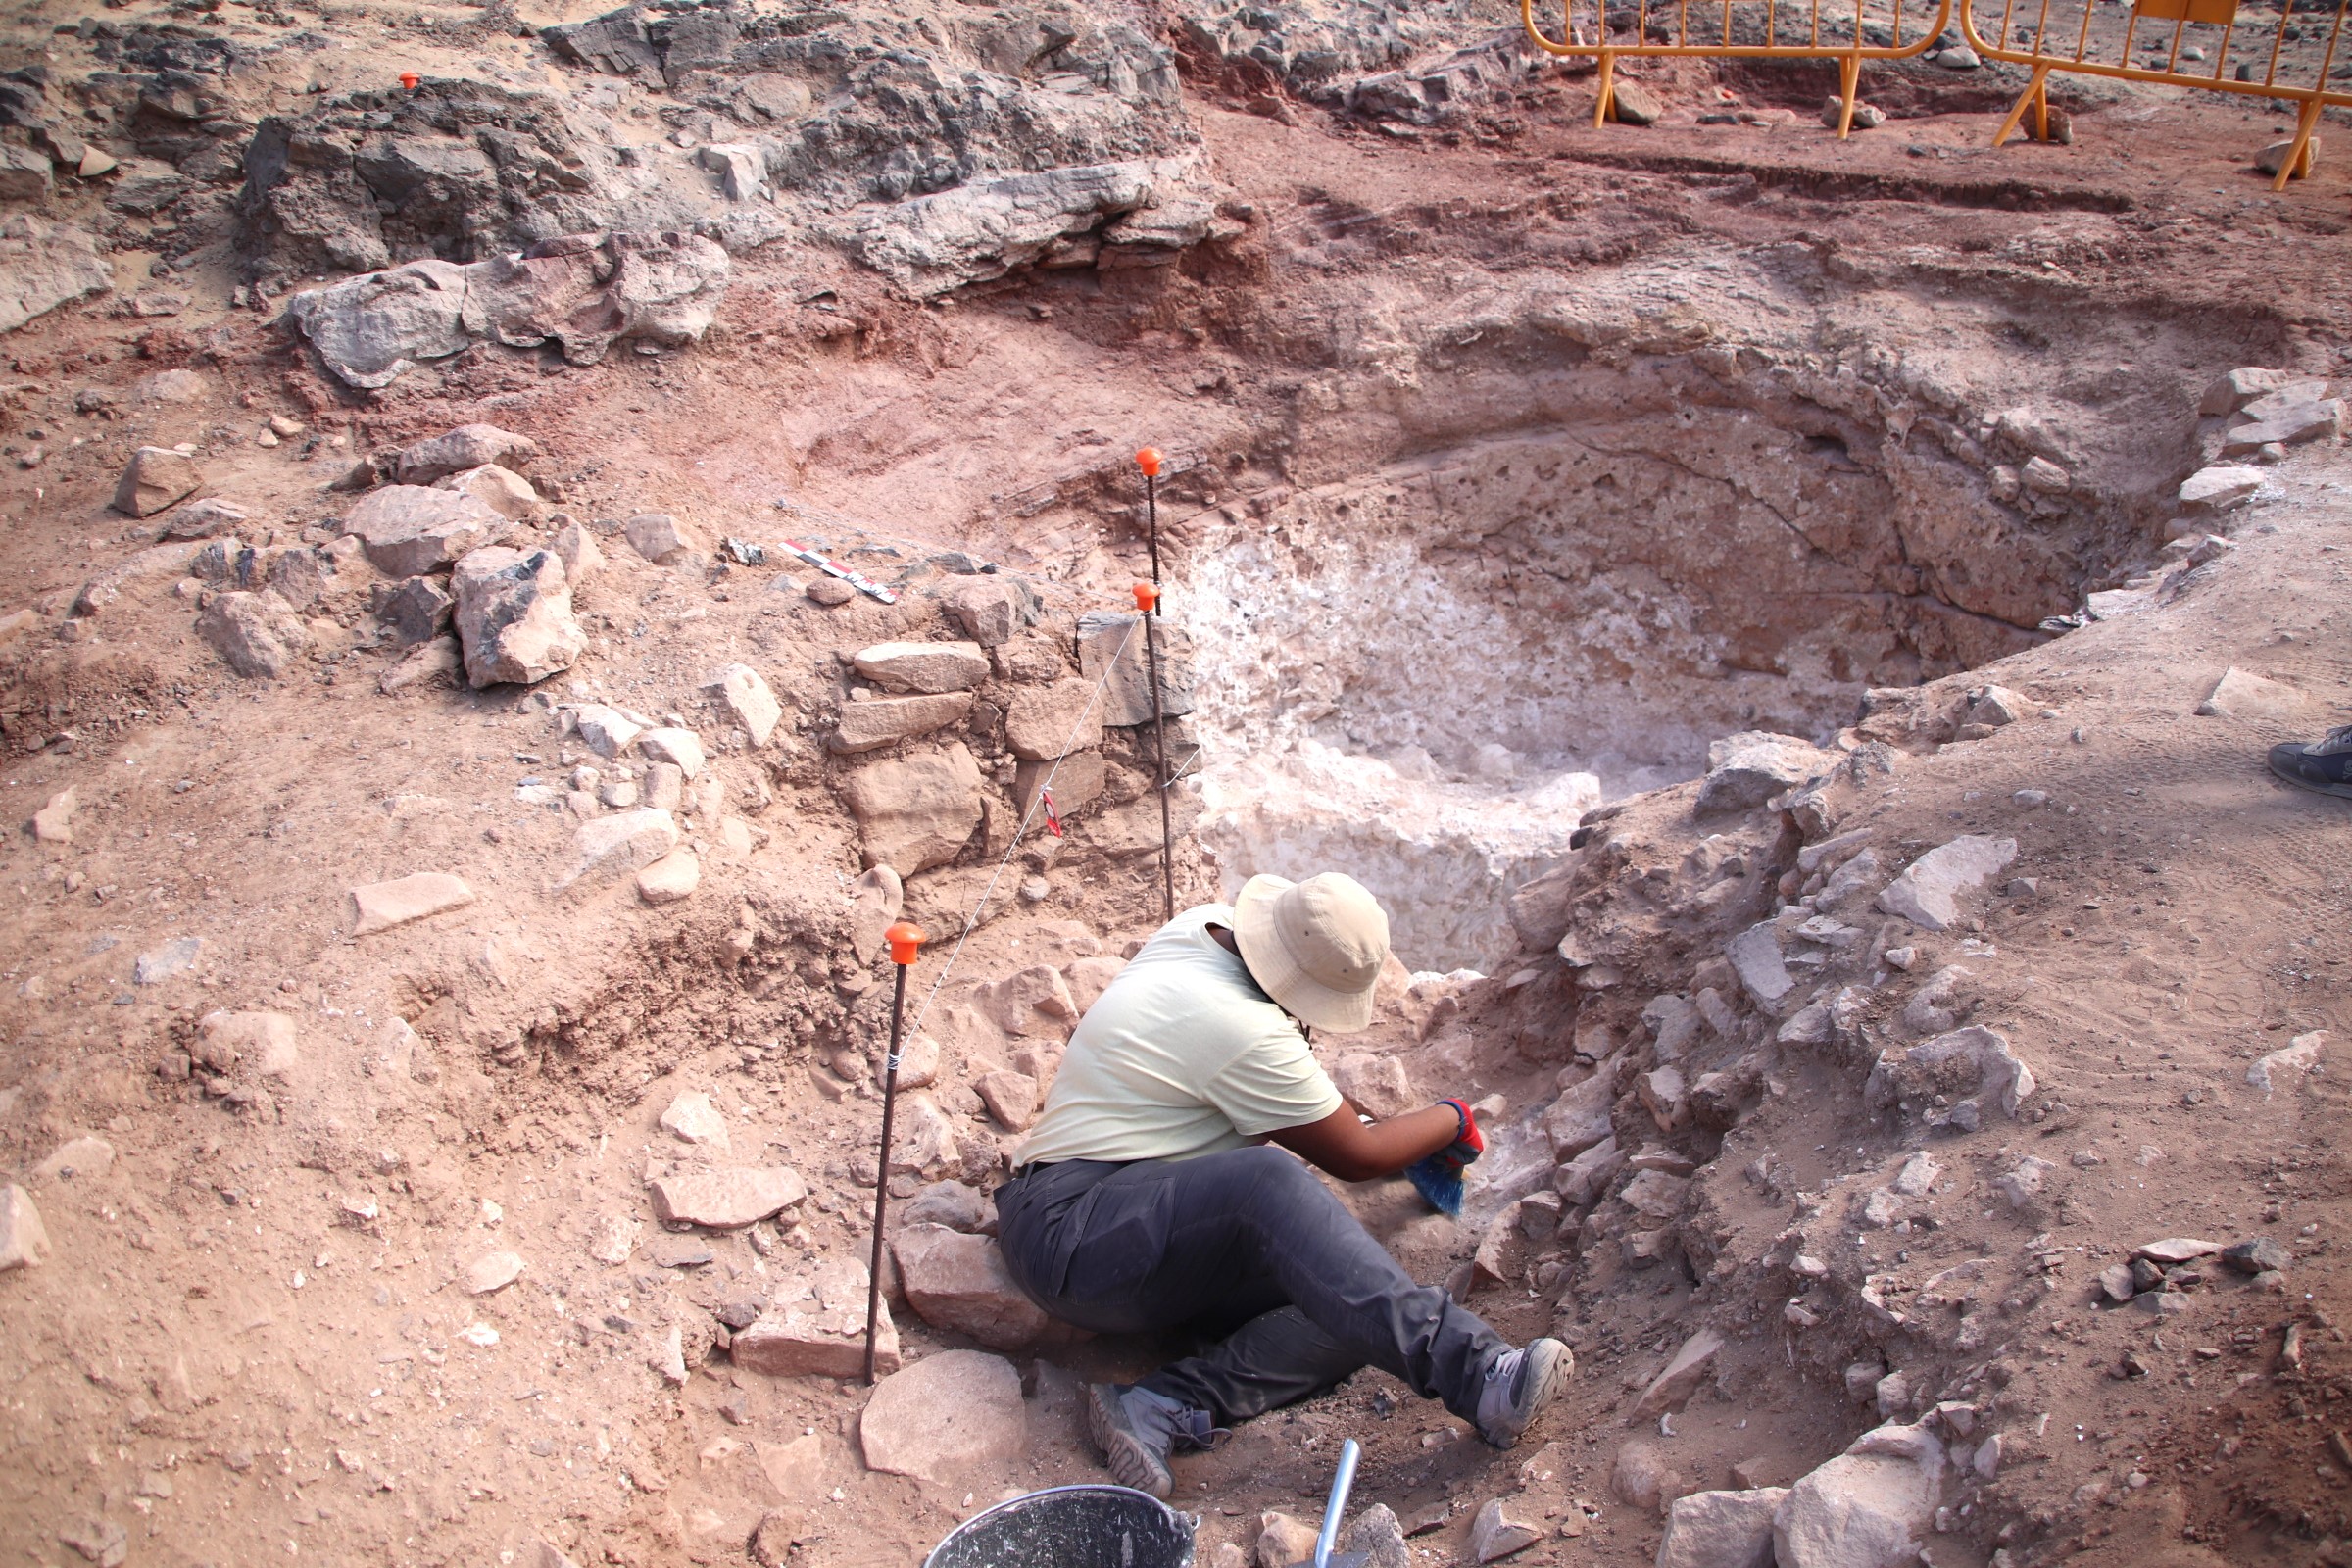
(1468, 1143)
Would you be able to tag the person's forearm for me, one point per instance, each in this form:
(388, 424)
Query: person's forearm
(1358, 1151)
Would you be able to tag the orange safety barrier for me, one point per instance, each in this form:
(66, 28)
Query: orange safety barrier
(2191, 43)
(1748, 30)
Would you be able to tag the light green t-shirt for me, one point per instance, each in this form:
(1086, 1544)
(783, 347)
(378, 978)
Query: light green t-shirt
(1182, 1056)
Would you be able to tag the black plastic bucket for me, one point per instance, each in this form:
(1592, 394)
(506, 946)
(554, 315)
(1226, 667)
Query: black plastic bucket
(1071, 1527)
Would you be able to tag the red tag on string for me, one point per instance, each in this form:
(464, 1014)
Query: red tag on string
(1053, 818)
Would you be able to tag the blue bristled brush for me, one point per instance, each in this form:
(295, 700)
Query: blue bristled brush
(1439, 1177)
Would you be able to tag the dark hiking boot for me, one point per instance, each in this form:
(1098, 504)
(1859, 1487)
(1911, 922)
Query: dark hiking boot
(1519, 1384)
(1135, 1430)
(2324, 764)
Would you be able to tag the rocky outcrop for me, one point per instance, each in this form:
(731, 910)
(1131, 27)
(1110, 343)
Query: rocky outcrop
(43, 266)
(582, 294)
(457, 169)
(1102, 215)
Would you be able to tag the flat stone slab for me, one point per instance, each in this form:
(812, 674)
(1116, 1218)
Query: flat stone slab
(2173, 1250)
(1929, 891)
(2222, 486)
(24, 1240)
(923, 668)
(958, 1282)
(881, 721)
(726, 1199)
(945, 1415)
(381, 906)
(492, 1271)
(409, 529)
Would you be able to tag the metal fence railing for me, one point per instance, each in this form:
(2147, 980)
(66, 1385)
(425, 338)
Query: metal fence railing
(2286, 54)
(1751, 30)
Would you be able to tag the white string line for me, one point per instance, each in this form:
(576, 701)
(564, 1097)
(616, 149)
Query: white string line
(971, 921)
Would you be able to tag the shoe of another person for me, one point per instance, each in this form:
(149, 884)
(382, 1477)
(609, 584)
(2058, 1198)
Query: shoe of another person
(1135, 1430)
(1519, 1384)
(2324, 764)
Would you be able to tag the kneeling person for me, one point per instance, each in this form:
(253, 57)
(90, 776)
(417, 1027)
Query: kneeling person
(1145, 1199)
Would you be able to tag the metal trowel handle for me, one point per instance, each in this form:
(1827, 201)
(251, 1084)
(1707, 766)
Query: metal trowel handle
(1335, 1507)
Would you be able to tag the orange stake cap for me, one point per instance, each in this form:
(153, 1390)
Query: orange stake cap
(409, 79)
(1145, 595)
(904, 938)
(1148, 459)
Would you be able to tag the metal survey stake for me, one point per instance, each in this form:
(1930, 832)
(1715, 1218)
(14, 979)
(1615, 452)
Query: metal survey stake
(904, 938)
(1147, 606)
(1148, 459)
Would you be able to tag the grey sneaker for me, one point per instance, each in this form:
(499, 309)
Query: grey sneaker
(1135, 1430)
(1519, 1384)
(2324, 765)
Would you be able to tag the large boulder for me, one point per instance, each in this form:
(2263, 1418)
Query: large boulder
(409, 529)
(1929, 891)
(1870, 1507)
(44, 266)
(256, 633)
(513, 616)
(915, 813)
(371, 330)
(1746, 769)
(959, 1282)
(945, 1416)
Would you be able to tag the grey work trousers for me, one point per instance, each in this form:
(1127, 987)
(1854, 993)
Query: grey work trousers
(1249, 1245)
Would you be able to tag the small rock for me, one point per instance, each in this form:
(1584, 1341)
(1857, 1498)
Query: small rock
(257, 634)
(2238, 694)
(2219, 487)
(2175, 1250)
(1011, 1098)
(1720, 1528)
(680, 746)
(1633, 103)
(514, 617)
(616, 1239)
(84, 1158)
(608, 848)
(2259, 1256)
(830, 592)
(1867, 117)
(950, 1203)
(1642, 1478)
(2287, 1064)
(1282, 1542)
(381, 906)
(576, 548)
(263, 1043)
(1917, 1177)
(2116, 1282)
(416, 610)
(915, 813)
(1893, 1395)
(155, 477)
(439, 657)
(691, 1118)
(503, 491)
(1376, 1537)
(665, 786)
(1112, 651)
(1682, 1377)
(1495, 1533)
(468, 446)
(1929, 891)
(24, 1240)
(947, 1416)
(1959, 57)
(672, 877)
(669, 1357)
(2044, 478)
(173, 958)
(1376, 1083)
(492, 1271)
(53, 823)
(101, 1540)
(1756, 956)
(2023, 1181)
(926, 669)
(991, 610)
(204, 519)
(2272, 158)
(747, 699)
(727, 1198)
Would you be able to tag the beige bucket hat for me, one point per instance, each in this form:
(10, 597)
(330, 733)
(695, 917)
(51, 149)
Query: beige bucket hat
(1316, 946)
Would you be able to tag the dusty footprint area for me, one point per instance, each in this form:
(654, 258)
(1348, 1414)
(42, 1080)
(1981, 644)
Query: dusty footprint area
(1788, 628)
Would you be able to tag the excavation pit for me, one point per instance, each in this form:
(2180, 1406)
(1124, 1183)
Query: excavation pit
(1428, 668)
